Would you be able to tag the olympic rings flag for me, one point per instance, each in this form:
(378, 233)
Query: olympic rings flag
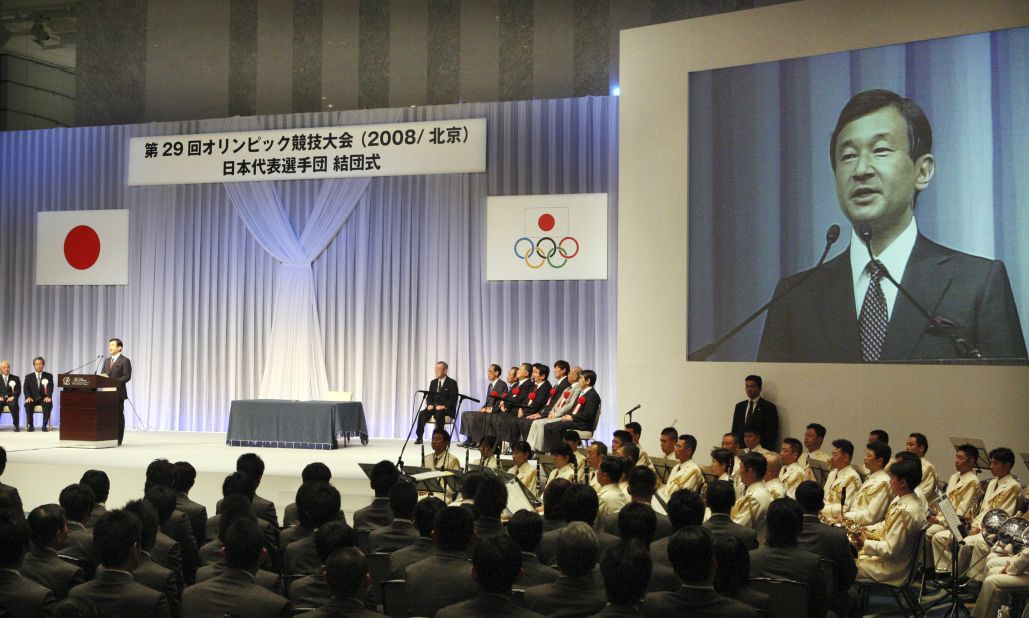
(546, 237)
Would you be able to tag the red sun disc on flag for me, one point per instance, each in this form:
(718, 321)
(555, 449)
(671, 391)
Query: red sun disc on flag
(82, 247)
(546, 222)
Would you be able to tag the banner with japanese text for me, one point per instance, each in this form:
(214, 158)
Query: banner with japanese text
(399, 149)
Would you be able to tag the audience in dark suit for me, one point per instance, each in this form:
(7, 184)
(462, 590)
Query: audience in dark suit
(8, 493)
(168, 550)
(42, 565)
(578, 503)
(185, 477)
(830, 543)
(321, 505)
(575, 592)
(98, 481)
(721, 496)
(637, 521)
(253, 466)
(496, 565)
(235, 507)
(453, 532)
(424, 520)
(292, 529)
(780, 558)
(490, 500)
(148, 572)
(378, 514)
(642, 487)
(18, 595)
(732, 573)
(313, 590)
(346, 575)
(626, 568)
(684, 508)
(77, 502)
(526, 528)
(403, 498)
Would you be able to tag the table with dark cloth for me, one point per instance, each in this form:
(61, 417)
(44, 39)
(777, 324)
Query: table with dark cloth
(280, 423)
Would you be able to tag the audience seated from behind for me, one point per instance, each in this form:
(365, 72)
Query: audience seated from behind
(346, 575)
(574, 592)
(235, 591)
(19, 595)
(642, 487)
(252, 465)
(148, 572)
(685, 508)
(403, 498)
(496, 566)
(77, 502)
(721, 495)
(780, 558)
(553, 518)
(638, 521)
(167, 551)
(98, 481)
(732, 572)
(378, 514)
(42, 565)
(185, 477)
(8, 493)
(234, 507)
(242, 484)
(829, 543)
(313, 590)
(453, 533)
(424, 519)
(117, 535)
(626, 568)
(526, 528)
(314, 471)
(490, 501)
(691, 550)
(321, 505)
(578, 503)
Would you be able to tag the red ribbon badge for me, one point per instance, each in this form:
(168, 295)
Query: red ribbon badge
(532, 395)
(566, 394)
(516, 391)
(553, 392)
(494, 394)
(582, 400)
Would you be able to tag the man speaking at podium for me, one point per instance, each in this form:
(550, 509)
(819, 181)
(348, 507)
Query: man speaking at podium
(881, 157)
(118, 367)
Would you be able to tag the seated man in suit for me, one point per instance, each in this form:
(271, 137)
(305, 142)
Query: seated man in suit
(490, 501)
(49, 535)
(583, 415)
(536, 401)
(685, 508)
(526, 528)
(424, 519)
(320, 507)
(642, 485)
(39, 391)
(169, 550)
(234, 508)
(561, 404)
(148, 572)
(578, 503)
(6, 491)
(314, 471)
(100, 483)
(638, 522)
(887, 548)
(347, 576)
(312, 590)
(185, 475)
(477, 423)
(77, 502)
(575, 591)
(401, 532)
(496, 565)
(626, 569)
(241, 483)
(454, 533)
(830, 543)
(10, 392)
(235, 590)
(378, 514)
(252, 465)
(691, 552)
(117, 536)
(720, 499)
(19, 596)
(780, 558)
(441, 401)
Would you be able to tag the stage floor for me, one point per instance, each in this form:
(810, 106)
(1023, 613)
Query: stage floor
(39, 468)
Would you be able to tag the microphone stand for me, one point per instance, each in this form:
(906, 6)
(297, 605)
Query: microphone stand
(92, 360)
(961, 345)
(417, 410)
(703, 353)
(629, 413)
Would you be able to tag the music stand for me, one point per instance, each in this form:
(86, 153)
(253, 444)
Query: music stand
(546, 464)
(663, 467)
(1025, 459)
(982, 460)
(953, 523)
(819, 470)
(709, 475)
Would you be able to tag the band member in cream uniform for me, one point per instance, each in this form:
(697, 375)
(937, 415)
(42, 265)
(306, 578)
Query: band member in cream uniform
(886, 549)
(792, 473)
(963, 493)
(523, 467)
(752, 507)
(686, 474)
(842, 477)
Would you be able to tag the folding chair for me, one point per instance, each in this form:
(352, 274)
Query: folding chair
(394, 599)
(364, 540)
(587, 435)
(786, 598)
(904, 595)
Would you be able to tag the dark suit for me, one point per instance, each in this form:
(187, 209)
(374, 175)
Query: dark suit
(293, 533)
(567, 596)
(301, 558)
(339, 608)
(11, 495)
(584, 417)
(699, 601)
(486, 604)
(765, 418)
(42, 566)
(266, 579)
(375, 515)
(610, 611)
(425, 594)
(817, 321)
(9, 395)
(309, 591)
(539, 397)
(399, 534)
(179, 528)
(196, 512)
(262, 508)
(159, 578)
(794, 564)
(233, 592)
(546, 551)
(505, 425)
(402, 558)
(121, 370)
(115, 593)
(439, 396)
(474, 424)
(290, 515)
(721, 525)
(36, 391)
(534, 572)
(168, 553)
(831, 543)
(80, 546)
(664, 526)
(22, 597)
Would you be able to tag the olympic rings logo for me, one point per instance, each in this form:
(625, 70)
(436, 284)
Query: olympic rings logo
(546, 250)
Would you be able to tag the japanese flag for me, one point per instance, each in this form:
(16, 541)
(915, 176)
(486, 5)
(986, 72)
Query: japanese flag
(82, 247)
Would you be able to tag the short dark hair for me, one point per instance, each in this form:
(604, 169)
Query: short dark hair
(624, 436)
(881, 435)
(98, 482)
(490, 442)
(444, 363)
(38, 358)
(601, 447)
(637, 521)
(114, 534)
(162, 498)
(522, 447)
(402, 500)
(908, 471)
(553, 499)
(497, 561)
(755, 462)
(160, 472)
(642, 482)
(563, 365)
(970, 451)
(613, 467)
(908, 456)
(685, 508)
(735, 438)
(543, 369)
(690, 440)
(732, 565)
(919, 131)
(345, 572)
(810, 496)
(14, 539)
(3, 459)
(671, 432)
(752, 428)
(149, 524)
(754, 378)
(1004, 455)
(690, 551)
(526, 528)
(243, 544)
(785, 520)
(239, 483)
(626, 567)
(630, 452)
(577, 547)
(562, 449)
(921, 441)
(634, 426)
(332, 536)
(321, 503)
(470, 484)
(580, 503)
(252, 464)
(185, 476)
(795, 445)
(442, 432)
(497, 369)
(571, 436)
(491, 497)
(116, 341)
(724, 457)
(383, 477)
(846, 446)
(234, 508)
(425, 514)
(721, 495)
(316, 471)
(880, 450)
(45, 521)
(77, 501)
(590, 376)
(819, 429)
(454, 527)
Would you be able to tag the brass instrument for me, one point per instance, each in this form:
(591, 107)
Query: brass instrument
(852, 529)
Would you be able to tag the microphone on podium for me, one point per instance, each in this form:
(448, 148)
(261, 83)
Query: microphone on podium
(831, 236)
(92, 360)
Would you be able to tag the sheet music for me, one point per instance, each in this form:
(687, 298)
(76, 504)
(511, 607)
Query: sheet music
(950, 517)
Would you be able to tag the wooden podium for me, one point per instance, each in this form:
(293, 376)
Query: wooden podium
(90, 407)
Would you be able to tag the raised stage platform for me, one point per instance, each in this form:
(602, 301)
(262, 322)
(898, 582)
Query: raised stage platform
(39, 468)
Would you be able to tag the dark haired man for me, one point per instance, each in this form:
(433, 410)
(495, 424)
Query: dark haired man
(918, 444)
(453, 532)
(848, 311)
(378, 514)
(685, 508)
(77, 502)
(583, 415)
(886, 549)
(19, 596)
(251, 464)
(441, 401)
(868, 505)
(780, 558)
(49, 534)
(626, 568)
(963, 490)
(185, 476)
(792, 472)
(721, 497)
(756, 412)
(830, 543)
(148, 572)
(751, 508)
(667, 441)
(403, 498)
(118, 367)
(475, 423)
(526, 529)
(6, 491)
(574, 592)
(39, 391)
(686, 474)
(611, 497)
(424, 518)
(843, 479)
(496, 565)
(321, 503)
(814, 435)
(100, 483)
(313, 590)
(348, 579)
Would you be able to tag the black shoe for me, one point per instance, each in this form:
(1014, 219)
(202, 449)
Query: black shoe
(45, 428)
(418, 441)
(16, 428)
(31, 428)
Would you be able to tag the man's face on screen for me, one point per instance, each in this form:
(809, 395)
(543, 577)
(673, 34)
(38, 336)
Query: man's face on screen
(876, 179)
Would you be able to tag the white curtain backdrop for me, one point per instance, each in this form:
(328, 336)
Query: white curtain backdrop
(221, 277)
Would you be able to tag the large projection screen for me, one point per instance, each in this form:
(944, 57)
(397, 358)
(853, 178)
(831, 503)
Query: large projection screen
(850, 399)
